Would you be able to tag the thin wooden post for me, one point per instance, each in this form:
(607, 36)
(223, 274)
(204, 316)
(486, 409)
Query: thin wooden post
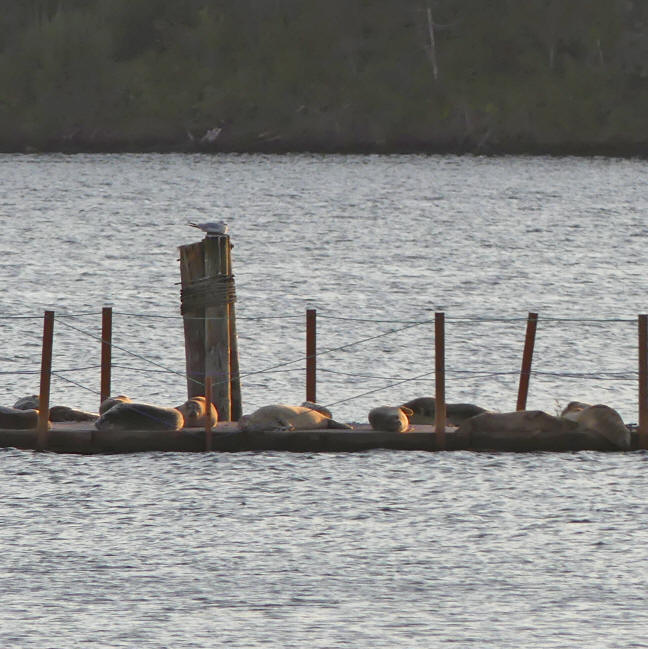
(527, 358)
(311, 355)
(106, 352)
(643, 381)
(217, 328)
(439, 373)
(45, 380)
(208, 423)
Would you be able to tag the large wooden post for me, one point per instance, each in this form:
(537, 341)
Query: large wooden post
(45, 380)
(217, 326)
(211, 348)
(439, 373)
(527, 358)
(643, 381)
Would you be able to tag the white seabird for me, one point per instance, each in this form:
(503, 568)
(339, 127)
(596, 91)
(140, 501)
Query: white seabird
(212, 228)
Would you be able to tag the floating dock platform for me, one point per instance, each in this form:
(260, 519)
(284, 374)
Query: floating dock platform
(79, 438)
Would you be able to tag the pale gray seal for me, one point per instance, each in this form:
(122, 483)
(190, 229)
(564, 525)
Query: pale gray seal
(394, 419)
(18, 418)
(280, 417)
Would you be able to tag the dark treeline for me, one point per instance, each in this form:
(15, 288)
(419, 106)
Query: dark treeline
(329, 75)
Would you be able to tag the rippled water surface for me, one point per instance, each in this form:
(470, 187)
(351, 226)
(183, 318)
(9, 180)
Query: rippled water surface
(385, 549)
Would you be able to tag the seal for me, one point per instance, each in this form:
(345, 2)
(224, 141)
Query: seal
(280, 417)
(194, 412)
(424, 410)
(64, 413)
(607, 422)
(573, 409)
(394, 419)
(316, 406)
(108, 403)
(18, 418)
(32, 402)
(133, 416)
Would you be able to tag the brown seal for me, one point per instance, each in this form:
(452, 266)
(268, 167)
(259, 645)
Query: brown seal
(108, 403)
(424, 411)
(194, 412)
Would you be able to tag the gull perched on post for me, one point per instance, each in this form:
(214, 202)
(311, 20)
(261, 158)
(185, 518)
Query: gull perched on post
(212, 228)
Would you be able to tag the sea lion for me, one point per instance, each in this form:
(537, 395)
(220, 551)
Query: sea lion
(394, 419)
(133, 416)
(280, 417)
(606, 422)
(194, 412)
(424, 411)
(18, 418)
(108, 403)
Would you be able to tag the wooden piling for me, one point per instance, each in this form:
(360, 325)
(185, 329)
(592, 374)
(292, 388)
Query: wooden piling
(311, 355)
(439, 373)
(235, 373)
(208, 423)
(643, 381)
(45, 380)
(192, 270)
(217, 327)
(106, 353)
(527, 358)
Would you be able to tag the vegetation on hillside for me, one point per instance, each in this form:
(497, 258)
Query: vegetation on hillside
(329, 75)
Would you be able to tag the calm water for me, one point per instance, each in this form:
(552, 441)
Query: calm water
(385, 549)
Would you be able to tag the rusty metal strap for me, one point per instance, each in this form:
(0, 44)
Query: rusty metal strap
(207, 292)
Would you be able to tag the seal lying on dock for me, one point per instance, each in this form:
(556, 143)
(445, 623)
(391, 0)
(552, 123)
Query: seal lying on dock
(133, 416)
(424, 411)
(194, 412)
(56, 413)
(108, 403)
(279, 417)
(596, 427)
(18, 418)
(394, 419)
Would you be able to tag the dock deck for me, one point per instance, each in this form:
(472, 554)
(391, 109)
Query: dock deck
(79, 438)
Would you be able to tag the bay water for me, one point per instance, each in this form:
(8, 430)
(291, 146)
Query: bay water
(390, 549)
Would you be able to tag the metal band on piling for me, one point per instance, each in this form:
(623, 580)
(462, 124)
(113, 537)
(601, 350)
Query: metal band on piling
(643, 381)
(439, 370)
(527, 358)
(45, 380)
(311, 354)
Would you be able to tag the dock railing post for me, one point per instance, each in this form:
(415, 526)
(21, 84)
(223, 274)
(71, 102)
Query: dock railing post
(311, 355)
(45, 381)
(235, 371)
(527, 358)
(439, 373)
(106, 353)
(643, 381)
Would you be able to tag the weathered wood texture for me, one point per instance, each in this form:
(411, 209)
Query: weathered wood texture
(225, 437)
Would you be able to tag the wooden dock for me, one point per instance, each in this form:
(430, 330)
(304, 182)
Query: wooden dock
(79, 438)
